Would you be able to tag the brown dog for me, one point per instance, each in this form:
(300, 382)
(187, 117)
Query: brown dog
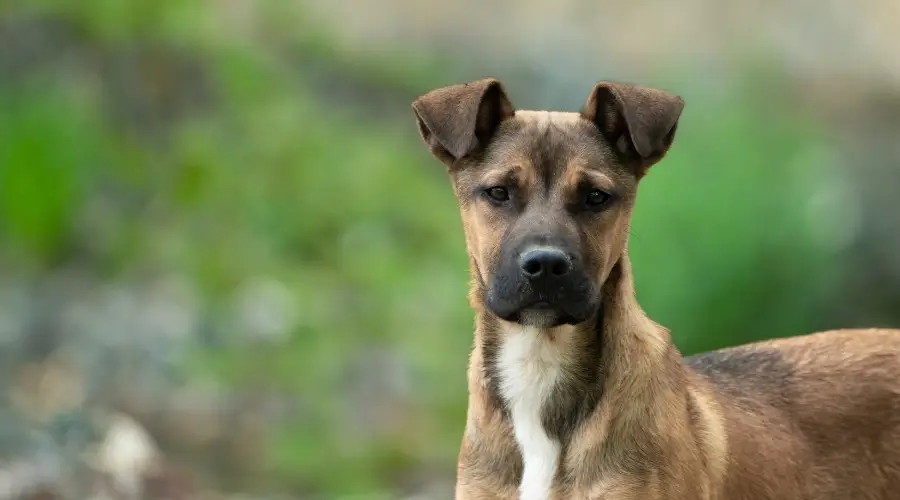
(574, 392)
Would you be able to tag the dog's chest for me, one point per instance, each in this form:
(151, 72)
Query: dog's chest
(530, 365)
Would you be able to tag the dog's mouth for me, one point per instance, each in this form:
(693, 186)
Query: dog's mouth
(545, 318)
(542, 313)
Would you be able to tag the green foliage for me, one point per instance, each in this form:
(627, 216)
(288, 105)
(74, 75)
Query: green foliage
(49, 154)
(115, 21)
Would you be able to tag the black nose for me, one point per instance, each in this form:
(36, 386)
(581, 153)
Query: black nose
(545, 263)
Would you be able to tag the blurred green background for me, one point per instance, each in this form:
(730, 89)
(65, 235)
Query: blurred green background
(228, 266)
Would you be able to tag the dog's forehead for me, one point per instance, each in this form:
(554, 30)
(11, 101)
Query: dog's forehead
(544, 119)
(549, 143)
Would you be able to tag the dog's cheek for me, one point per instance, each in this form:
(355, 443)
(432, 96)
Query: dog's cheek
(493, 266)
(619, 241)
(605, 242)
(594, 252)
(483, 246)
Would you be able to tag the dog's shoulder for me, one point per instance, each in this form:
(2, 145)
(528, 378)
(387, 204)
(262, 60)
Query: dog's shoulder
(850, 349)
(747, 373)
(787, 373)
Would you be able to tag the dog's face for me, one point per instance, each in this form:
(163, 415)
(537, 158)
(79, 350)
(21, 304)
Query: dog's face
(546, 197)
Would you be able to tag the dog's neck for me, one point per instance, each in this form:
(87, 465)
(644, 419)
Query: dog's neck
(618, 361)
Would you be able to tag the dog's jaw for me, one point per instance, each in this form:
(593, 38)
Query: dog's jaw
(540, 315)
(537, 318)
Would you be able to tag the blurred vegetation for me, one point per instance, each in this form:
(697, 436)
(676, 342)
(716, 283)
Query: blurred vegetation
(151, 140)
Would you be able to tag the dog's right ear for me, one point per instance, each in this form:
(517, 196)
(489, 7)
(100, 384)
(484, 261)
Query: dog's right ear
(454, 121)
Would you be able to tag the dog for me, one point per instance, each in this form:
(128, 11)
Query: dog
(574, 392)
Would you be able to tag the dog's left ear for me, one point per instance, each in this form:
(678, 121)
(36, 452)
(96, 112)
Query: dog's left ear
(454, 121)
(639, 121)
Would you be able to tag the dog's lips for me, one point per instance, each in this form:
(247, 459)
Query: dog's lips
(570, 306)
(540, 313)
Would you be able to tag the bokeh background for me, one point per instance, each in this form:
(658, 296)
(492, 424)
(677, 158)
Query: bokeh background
(229, 269)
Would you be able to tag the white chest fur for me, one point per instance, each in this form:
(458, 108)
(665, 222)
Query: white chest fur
(529, 366)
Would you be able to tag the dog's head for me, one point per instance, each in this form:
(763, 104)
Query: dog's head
(546, 197)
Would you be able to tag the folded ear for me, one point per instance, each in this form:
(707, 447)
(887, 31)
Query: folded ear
(454, 121)
(638, 121)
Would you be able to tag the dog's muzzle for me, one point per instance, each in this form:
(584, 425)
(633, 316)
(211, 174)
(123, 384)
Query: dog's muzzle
(541, 286)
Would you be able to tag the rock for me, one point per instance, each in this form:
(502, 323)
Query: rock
(127, 454)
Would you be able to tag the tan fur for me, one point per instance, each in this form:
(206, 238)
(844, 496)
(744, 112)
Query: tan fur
(807, 418)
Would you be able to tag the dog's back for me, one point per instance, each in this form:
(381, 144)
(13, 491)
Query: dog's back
(810, 417)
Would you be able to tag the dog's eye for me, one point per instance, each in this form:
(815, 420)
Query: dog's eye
(497, 194)
(596, 198)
